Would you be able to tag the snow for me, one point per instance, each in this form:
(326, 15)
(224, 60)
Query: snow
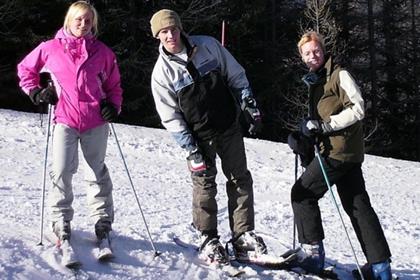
(161, 180)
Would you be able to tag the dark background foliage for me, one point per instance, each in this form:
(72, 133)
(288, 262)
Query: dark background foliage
(377, 40)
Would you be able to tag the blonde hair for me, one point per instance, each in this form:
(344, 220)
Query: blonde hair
(82, 6)
(311, 36)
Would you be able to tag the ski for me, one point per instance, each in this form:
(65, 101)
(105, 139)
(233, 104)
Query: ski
(326, 274)
(227, 269)
(104, 251)
(268, 261)
(283, 262)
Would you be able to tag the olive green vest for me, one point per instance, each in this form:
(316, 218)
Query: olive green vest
(329, 99)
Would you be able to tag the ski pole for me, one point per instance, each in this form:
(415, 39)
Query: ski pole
(338, 209)
(223, 33)
(294, 222)
(134, 191)
(44, 177)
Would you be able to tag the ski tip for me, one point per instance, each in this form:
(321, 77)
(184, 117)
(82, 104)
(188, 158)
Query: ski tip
(328, 274)
(106, 258)
(157, 254)
(73, 265)
(238, 273)
(229, 269)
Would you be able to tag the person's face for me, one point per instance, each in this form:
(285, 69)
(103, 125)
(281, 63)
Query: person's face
(170, 37)
(312, 55)
(81, 24)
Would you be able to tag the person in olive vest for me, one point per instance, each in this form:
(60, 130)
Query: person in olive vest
(198, 87)
(334, 124)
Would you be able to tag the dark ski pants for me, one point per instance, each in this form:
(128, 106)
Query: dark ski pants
(348, 178)
(229, 146)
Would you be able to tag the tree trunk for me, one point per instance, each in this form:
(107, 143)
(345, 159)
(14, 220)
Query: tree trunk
(372, 59)
(415, 83)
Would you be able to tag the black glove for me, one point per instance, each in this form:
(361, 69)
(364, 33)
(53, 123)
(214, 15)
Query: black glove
(313, 128)
(252, 115)
(302, 146)
(44, 95)
(196, 163)
(108, 111)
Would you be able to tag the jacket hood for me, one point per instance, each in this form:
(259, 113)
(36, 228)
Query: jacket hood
(61, 34)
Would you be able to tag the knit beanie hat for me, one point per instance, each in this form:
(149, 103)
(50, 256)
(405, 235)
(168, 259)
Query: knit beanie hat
(162, 19)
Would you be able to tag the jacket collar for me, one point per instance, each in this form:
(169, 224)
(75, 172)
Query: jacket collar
(70, 39)
(320, 76)
(329, 67)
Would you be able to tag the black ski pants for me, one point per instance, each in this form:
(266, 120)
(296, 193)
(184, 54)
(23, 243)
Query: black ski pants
(348, 178)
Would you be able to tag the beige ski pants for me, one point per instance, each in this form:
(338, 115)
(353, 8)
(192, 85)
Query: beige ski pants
(93, 145)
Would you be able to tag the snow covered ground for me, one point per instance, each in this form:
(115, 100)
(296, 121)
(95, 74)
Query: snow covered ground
(162, 182)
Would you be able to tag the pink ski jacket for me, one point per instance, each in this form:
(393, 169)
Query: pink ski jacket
(84, 71)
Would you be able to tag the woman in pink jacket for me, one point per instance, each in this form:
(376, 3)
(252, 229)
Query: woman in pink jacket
(86, 95)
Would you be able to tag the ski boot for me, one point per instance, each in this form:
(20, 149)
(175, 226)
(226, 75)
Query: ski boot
(248, 242)
(102, 229)
(62, 230)
(376, 271)
(212, 251)
(311, 257)
(382, 270)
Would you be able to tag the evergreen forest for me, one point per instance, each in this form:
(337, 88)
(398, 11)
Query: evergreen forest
(377, 40)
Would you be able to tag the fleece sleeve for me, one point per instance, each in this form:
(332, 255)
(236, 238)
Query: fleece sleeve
(354, 110)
